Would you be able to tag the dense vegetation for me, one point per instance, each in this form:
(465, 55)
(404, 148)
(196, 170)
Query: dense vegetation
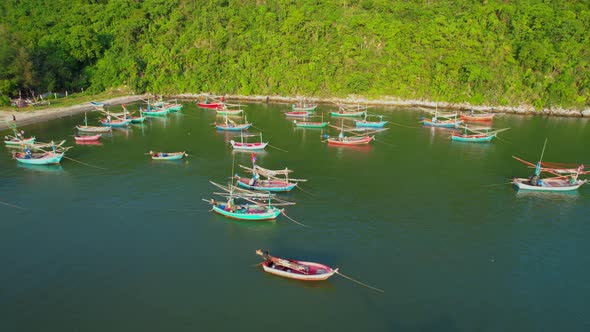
(483, 52)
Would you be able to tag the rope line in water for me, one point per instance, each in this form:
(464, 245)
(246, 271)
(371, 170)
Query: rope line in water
(74, 160)
(293, 220)
(360, 283)
(274, 147)
(12, 205)
(310, 194)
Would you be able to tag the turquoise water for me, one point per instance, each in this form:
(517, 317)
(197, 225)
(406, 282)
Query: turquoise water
(432, 222)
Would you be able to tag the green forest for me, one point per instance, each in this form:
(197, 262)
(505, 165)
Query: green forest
(527, 52)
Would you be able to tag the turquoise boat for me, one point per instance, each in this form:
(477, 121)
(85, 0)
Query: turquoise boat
(250, 212)
(167, 156)
(15, 141)
(46, 158)
(442, 124)
(303, 107)
(370, 124)
(115, 123)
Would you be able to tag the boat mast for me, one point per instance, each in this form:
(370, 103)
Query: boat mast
(538, 168)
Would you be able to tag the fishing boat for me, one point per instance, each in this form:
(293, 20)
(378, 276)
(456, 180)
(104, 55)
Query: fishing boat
(348, 141)
(170, 106)
(230, 125)
(18, 139)
(167, 155)
(477, 117)
(153, 112)
(136, 119)
(475, 134)
(310, 124)
(371, 124)
(263, 179)
(350, 111)
(298, 114)
(97, 104)
(44, 158)
(212, 102)
(247, 146)
(92, 129)
(564, 176)
(115, 122)
(303, 106)
(294, 269)
(442, 120)
(91, 138)
(259, 206)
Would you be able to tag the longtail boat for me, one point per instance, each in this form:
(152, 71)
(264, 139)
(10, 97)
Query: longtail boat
(115, 122)
(44, 158)
(80, 138)
(475, 117)
(272, 180)
(309, 124)
(350, 111)
(298, 114)
(246, 146)
(371, 124)
(473, 134)
(230, 125)
(442, 120)
(565, 176)
(302, 106)
(254, 210)
(294, 269)
(18, 139)
(167, 155)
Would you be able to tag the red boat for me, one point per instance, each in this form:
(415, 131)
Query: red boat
(92, 138)
(350, 141)
(298, 114)
(211, 105)
(307, 271)
(478, 117)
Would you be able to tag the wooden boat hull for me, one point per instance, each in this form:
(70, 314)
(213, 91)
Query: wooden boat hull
(229, 112)
(316, 271)
(87, 138)
(212, 105)
(115, 123)
(368, 124)
(553, 185)
(247, 146)
(137, 119)
(311, 124)
(352, 141)
(442, 124)
(39, 158)
(20, 142)
(274, 186)
(93, 129)
(304, 109)
(298, 114)
(476, 118)
(168, 156)
(351, 114)
(249, 213)
(472, 138)
(234, 128)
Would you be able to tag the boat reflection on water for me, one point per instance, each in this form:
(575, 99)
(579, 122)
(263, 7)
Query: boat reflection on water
(41, 168)
(564, 196)
(88, 143)
(366, 148)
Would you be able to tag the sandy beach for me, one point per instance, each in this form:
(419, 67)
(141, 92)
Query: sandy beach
(25, 118)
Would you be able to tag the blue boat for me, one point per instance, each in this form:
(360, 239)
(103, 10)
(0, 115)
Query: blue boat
(473, 138)
(97, 104)
(115, 123)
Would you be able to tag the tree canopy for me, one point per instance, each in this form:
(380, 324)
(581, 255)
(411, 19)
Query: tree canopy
(484, 52)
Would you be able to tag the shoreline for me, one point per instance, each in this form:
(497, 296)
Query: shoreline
(396, 102)
(26, 118)
(42, 115)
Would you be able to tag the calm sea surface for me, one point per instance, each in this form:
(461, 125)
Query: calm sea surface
(430, 221)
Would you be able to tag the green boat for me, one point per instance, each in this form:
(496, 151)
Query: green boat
(303, 124)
